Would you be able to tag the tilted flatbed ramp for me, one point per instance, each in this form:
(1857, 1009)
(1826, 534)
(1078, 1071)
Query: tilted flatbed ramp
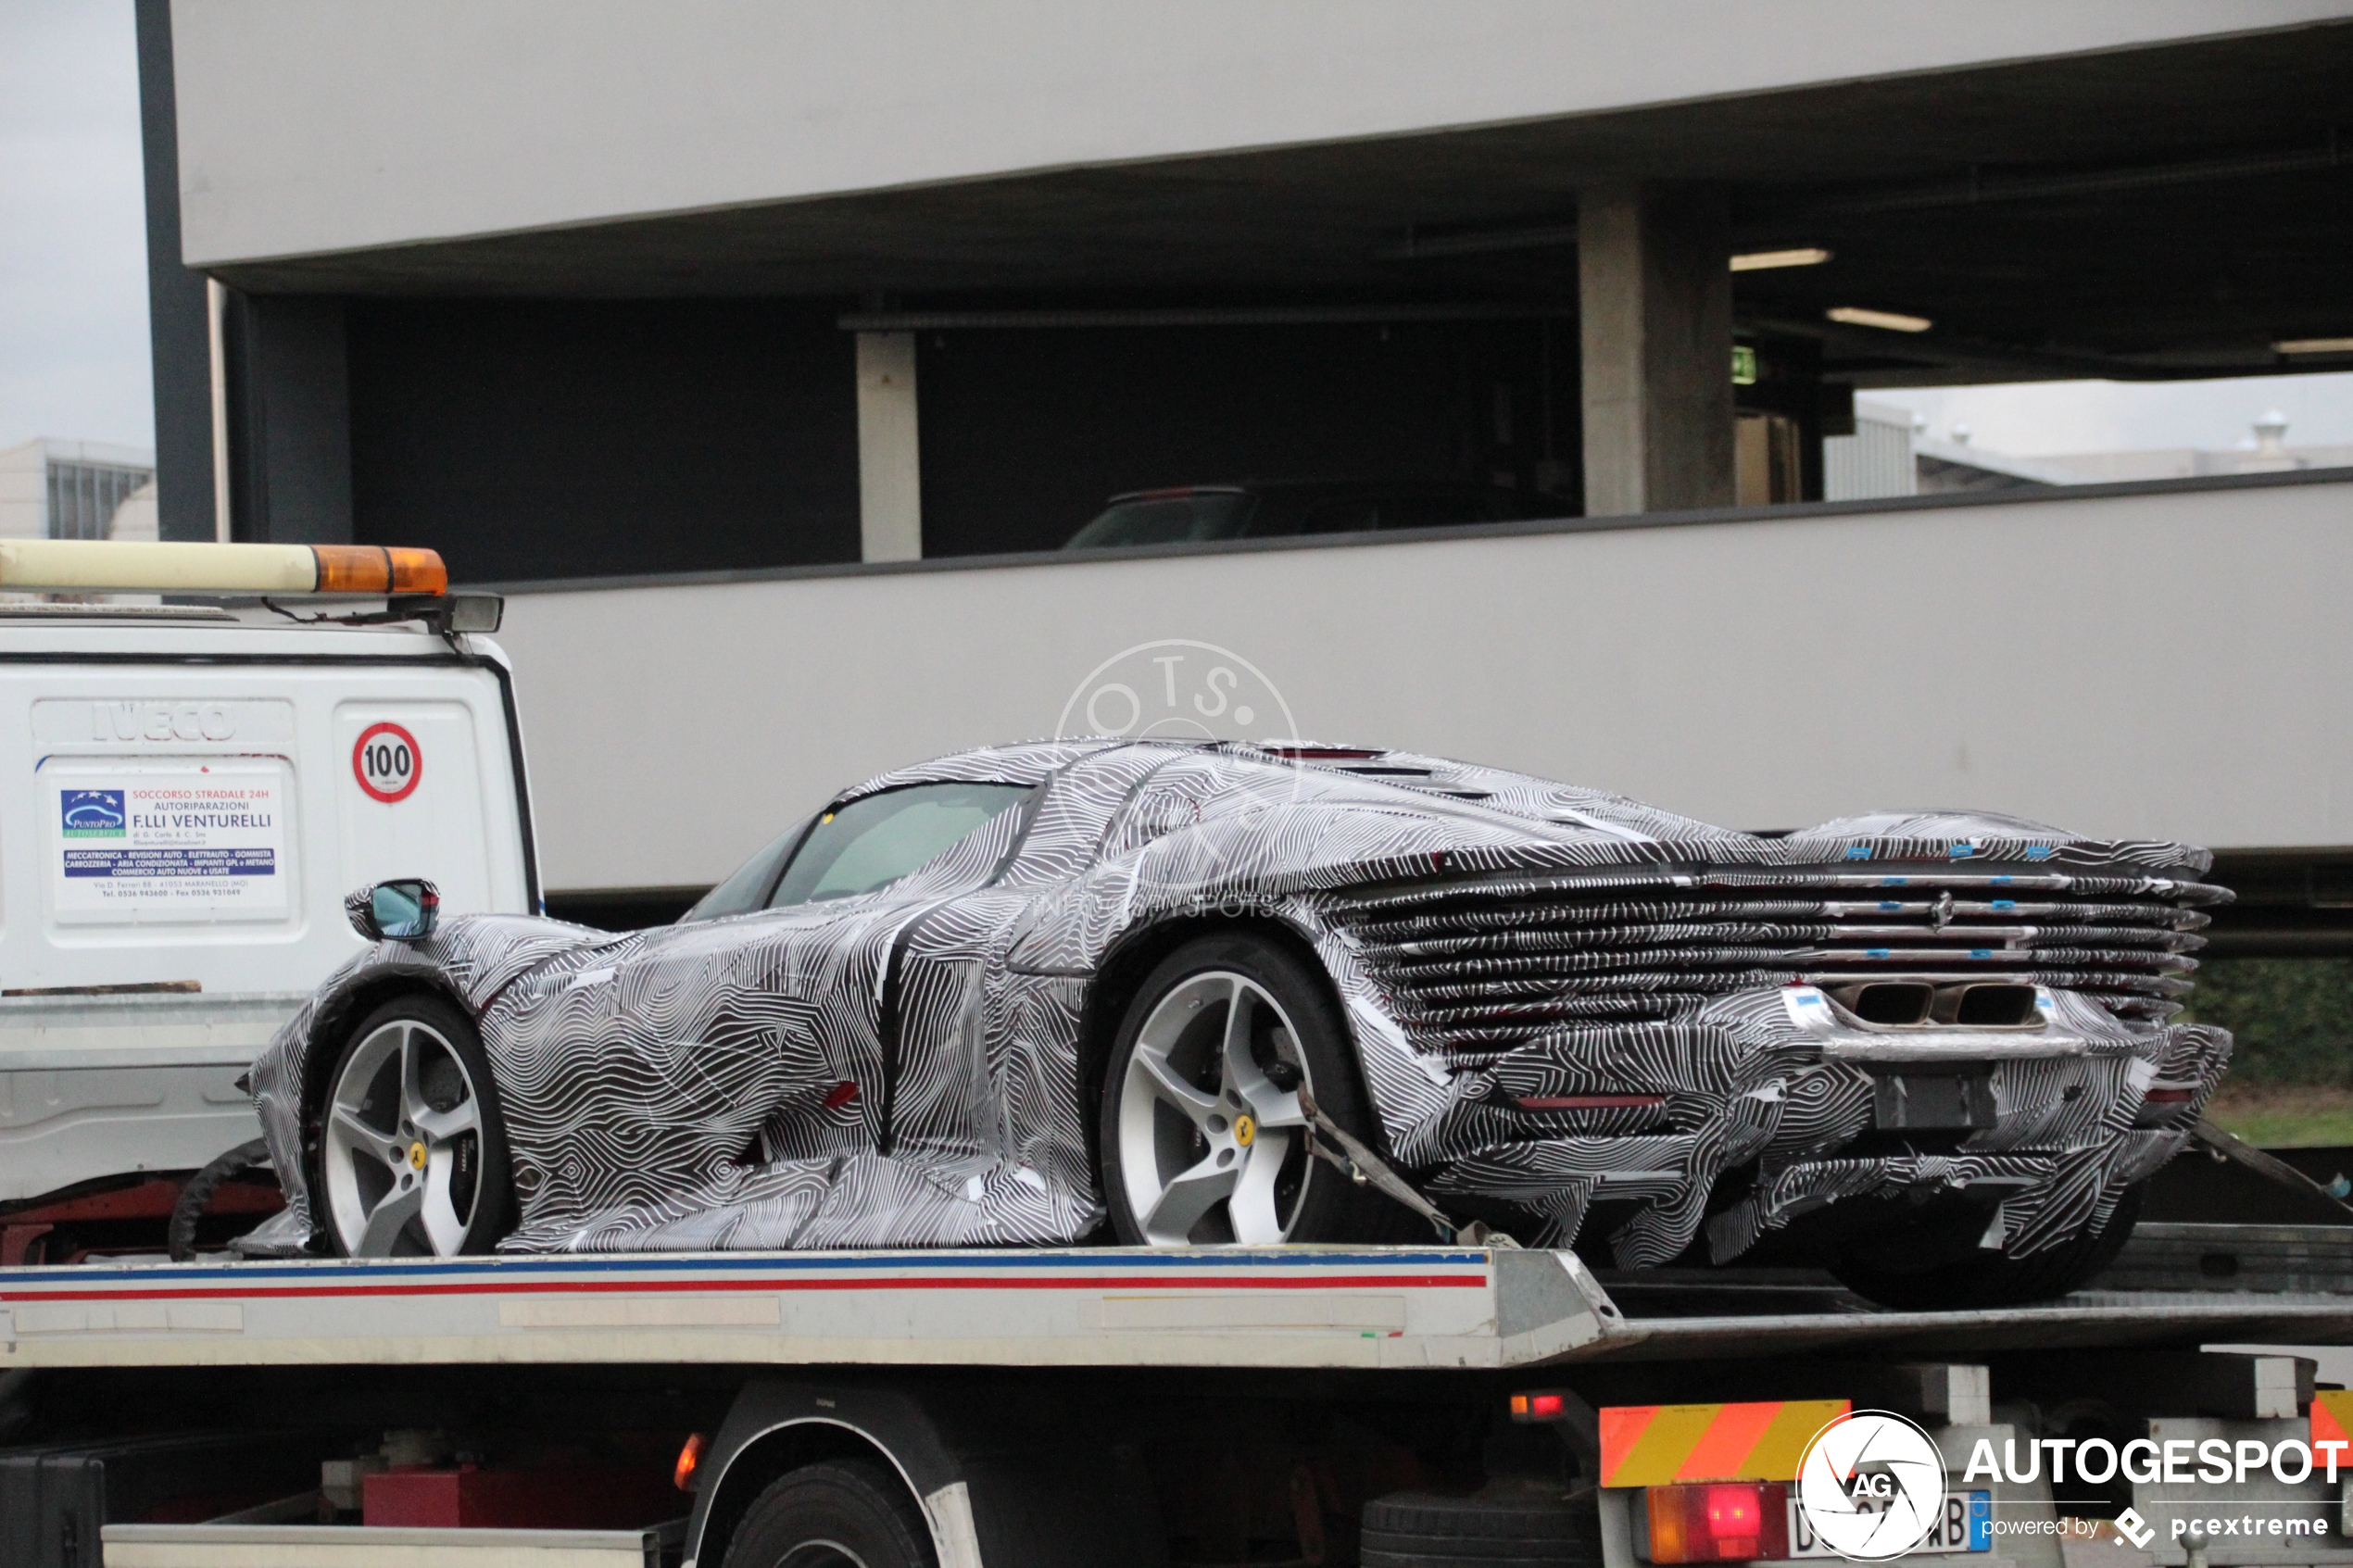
(1296, 1306)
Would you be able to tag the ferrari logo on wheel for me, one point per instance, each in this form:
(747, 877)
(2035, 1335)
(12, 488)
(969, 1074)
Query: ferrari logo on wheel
(1244, 1130)
(417, 1156)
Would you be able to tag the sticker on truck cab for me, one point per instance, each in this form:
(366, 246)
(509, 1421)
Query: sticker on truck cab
(197, 840)
(388, 762)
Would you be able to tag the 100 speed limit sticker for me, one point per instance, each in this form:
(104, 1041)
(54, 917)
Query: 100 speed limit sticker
(388, 762)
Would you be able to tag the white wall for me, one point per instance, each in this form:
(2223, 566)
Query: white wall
(24, 491)
(308, 126)
(2174, 666)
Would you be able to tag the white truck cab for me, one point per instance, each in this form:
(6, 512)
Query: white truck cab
(186, 793)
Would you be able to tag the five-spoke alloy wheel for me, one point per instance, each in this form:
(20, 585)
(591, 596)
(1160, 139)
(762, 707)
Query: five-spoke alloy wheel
(1203, 1135)
(1204, 1122)
(412, 1154)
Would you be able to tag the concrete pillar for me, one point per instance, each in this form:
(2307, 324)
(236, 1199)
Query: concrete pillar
(190, 474)
(890, 486)
(286, 386)
(1654, 305)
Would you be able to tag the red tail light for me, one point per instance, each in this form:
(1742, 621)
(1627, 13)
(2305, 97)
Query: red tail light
(1721, 1521)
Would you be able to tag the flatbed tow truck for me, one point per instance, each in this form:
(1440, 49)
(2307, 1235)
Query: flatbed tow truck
(1437, 1406)
(1073, 1406)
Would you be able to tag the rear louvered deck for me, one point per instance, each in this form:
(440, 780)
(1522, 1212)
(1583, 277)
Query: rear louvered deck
(1484, 964)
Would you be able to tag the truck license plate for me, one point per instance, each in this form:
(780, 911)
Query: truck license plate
(1967, 1524)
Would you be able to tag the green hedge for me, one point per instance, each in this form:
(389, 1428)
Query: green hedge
(2293, 1018)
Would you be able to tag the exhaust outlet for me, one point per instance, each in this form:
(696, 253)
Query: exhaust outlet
(1988, 1005)
(1887, 1002)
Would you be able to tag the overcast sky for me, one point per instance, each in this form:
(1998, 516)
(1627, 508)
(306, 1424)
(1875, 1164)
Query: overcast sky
(74, 284)
(73, 243)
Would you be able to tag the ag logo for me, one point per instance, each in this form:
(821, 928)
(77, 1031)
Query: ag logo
(1872, 1486)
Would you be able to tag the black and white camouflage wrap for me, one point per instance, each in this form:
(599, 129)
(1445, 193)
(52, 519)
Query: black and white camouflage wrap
(1559, 998)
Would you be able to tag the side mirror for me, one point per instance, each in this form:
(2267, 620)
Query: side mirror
(405, 910)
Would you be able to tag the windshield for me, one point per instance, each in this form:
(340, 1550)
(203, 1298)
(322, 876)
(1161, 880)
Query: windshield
(871, 843)
(1165, 519)
(748, 890)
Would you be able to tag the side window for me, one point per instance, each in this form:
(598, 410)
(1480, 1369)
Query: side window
(873, 842)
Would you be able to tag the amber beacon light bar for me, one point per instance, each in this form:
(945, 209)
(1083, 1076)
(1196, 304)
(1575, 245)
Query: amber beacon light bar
(81, 566)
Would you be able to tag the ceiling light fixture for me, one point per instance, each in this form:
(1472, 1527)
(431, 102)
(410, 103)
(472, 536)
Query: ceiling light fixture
(1889, 320)
(1758, 260)
(2314, 346)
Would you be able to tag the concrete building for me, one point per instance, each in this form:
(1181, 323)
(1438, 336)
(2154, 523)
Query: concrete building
(76, 490)
(1876, 461)
(2265, 450)
(815, 325)
(1954, 464)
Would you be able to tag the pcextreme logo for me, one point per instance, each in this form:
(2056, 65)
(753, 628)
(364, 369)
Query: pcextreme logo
(1872, 1486)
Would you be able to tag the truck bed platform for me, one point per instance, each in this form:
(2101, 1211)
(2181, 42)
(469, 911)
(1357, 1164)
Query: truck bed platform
(1296, 1306)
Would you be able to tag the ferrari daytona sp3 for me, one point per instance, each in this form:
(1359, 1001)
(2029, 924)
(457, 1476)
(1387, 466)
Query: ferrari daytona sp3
(1100, 990)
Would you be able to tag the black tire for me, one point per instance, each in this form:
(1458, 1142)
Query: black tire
(1323, 1206)
(1425, 1530)
(487, 1173)
(188, 1212)
(1998, 1280)
(843, 1513)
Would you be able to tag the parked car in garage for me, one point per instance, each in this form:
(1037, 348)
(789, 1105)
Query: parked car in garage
(1005, 996)
(1192, 513)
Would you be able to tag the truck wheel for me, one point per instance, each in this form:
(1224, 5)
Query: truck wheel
(1425, 1530)
(844, 1513)
(1993, 1280)
(412, 1152)
(1202, 1134)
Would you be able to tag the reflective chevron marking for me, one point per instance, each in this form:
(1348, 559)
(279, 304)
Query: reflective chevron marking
(1658, 1445)
(2333, 1416)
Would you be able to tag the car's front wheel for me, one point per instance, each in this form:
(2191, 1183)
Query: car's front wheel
(1203, 1135)
(412, 1152)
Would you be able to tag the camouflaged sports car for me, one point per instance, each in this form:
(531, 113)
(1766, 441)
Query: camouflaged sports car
(1103, 988)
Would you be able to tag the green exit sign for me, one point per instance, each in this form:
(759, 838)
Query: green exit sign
(1743, 365)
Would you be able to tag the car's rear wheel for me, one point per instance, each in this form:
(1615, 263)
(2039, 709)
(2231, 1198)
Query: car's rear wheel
(412, 1151)
(1992, 1279)
(1203, 1135)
